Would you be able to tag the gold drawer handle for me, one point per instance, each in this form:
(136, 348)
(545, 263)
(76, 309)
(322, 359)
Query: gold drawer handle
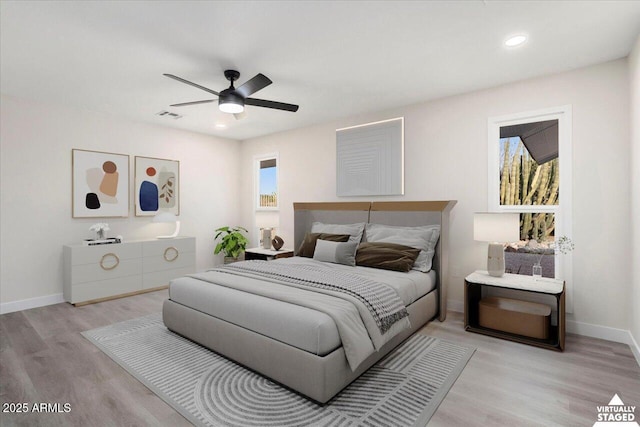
(166, 258)
(114, 265)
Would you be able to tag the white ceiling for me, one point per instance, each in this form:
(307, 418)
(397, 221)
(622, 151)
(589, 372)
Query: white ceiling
(334, 59)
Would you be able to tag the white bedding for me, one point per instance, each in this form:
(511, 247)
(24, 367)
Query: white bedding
(304, 319)
(410, 286)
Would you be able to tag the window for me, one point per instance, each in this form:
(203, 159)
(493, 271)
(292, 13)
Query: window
(267, 182)
(530, 173)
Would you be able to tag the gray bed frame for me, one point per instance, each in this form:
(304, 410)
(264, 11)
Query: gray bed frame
(321, 377)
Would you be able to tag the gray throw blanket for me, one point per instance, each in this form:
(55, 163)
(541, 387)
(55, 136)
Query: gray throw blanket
(381, 300)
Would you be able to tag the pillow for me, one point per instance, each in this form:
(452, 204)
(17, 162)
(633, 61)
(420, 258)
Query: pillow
(336, 252)
(308, 246)
(387, 256)
(422, 237)
(354, 230)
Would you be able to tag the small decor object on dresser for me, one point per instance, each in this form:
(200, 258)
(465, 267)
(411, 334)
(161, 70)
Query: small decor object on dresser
(100, 229)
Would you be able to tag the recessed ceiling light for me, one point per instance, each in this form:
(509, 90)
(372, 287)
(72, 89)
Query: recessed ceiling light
(221, 126)
(514, 41)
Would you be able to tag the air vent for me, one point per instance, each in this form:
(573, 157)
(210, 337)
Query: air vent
(169, 114)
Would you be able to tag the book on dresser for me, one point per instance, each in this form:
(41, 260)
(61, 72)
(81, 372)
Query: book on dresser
(98, 272)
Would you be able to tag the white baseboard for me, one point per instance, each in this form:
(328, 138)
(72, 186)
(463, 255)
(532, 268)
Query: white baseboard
(26, 304)
(606, 333)
(597, 331)
(580, 328)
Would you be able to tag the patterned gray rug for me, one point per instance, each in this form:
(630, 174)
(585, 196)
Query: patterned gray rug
(403, 389)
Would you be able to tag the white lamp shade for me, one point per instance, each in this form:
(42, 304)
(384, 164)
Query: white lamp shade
(496, 227)
(168, 217)
(165, 217)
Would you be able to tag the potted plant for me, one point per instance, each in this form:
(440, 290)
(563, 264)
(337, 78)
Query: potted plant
(232, 244)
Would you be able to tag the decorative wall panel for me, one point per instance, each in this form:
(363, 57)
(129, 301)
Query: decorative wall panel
(370, 159)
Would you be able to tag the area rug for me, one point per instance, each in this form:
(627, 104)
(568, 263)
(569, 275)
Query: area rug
(403, 389)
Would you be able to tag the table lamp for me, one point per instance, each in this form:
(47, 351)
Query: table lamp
(266, 222)
(497, 229)
(168, 217)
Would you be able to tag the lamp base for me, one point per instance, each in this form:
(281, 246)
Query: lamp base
(175, 233)
(266, 238)
(495, 260)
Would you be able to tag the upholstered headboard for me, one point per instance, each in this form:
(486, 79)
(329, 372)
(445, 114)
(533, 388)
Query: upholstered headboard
(413, 213)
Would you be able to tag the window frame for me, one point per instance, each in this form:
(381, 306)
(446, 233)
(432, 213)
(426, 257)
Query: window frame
(256, 173)
(562, 211)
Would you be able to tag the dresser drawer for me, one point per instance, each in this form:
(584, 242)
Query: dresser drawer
(93, 254)
(169, 260)
(160, 246)
(109, 267)
(104, 288)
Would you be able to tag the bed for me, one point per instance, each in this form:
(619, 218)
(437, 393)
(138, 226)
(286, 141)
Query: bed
(312, 342)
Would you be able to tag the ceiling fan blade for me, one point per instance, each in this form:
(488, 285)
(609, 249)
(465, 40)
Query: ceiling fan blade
(260, 81)
(182, 104)
(271, 104)
(180, 79)
(240, 116)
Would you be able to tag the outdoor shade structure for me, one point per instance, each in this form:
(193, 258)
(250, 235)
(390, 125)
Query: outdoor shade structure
(540, 138)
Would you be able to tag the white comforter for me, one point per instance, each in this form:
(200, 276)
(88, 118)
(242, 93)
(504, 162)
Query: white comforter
(358, 331)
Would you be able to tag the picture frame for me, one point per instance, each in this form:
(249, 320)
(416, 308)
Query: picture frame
(156, 186)
(99, 184)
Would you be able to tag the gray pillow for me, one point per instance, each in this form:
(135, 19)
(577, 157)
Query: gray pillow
(308, 246)
(354, 230)
(424, 238)
(336, 252)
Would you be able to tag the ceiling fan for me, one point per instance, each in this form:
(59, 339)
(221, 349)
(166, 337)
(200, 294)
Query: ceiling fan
(232, 100)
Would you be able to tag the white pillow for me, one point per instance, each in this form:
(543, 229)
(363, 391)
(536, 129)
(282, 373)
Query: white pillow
(424, 238)
(336, 252)
(355, 230)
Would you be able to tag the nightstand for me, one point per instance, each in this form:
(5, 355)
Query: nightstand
(267, 254)
(478, 281)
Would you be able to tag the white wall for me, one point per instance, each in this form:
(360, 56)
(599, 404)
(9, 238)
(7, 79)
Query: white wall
(634, 301)
(35, 217)
(446, 158)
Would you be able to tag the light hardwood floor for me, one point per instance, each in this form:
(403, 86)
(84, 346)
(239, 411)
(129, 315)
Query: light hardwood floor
(43, 358)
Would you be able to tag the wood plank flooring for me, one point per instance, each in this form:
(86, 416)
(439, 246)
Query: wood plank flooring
(43, 358)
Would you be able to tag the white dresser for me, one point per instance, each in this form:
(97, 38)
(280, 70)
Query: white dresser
(93, 273)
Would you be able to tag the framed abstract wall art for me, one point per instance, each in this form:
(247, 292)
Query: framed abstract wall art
(157, 186)
(100, 184)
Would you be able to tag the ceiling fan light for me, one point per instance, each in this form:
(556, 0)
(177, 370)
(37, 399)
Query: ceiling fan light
(231, 107)
(230, 103)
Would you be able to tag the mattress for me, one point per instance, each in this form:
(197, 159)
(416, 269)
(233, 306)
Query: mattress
(300, 327)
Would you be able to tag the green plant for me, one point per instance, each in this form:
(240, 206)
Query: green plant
(233, 242)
